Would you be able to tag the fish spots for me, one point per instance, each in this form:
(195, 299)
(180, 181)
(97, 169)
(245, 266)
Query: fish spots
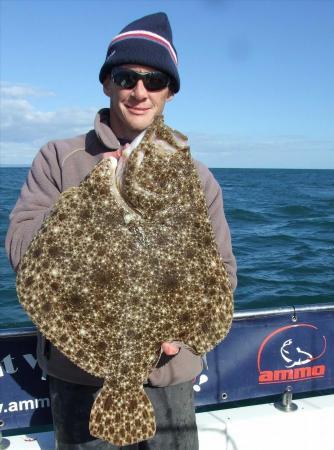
(46, 264)
(64, 338)
(170, 281)
(29, 281)
(100, 251)
(76, 300)
(98, 417)
(85, 214)
(206, 240)
(107, 422)
(137, 423)
(132, 405)
(108, 402)
(104, 191)
(181, 218)
(101, 346)
(205, 327)
(134, 273)
(55, 286)
(190, 252)
(154, 316)
(124, 369)
(131, 334)
(46, 307)
(109, 319)
(98, 236)
(80, 353)
(162, 240)
(211, 281)
(185, 317)
(68, 317)
(103, 277)
(37, 252)
(75, 266)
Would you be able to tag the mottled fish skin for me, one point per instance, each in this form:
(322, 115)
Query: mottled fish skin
(123, 264)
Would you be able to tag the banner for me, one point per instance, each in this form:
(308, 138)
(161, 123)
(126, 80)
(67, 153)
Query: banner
(24, 395)
(262, 355)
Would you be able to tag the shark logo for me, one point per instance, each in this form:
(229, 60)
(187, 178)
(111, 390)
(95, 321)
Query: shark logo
(294, 356)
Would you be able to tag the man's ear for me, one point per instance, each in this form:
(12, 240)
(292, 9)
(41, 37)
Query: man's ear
(107, 86)
(170, 96)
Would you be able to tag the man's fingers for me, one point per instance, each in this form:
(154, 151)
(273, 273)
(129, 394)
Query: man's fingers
(115, 153)
(169, 348)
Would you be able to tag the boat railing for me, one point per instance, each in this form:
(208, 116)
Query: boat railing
(266, 351)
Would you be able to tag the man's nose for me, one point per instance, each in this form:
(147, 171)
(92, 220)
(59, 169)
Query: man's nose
(139, 91)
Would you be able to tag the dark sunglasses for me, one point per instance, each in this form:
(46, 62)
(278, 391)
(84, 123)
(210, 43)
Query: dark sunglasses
(127, 79)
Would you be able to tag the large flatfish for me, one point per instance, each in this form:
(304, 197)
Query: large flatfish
(125, 261)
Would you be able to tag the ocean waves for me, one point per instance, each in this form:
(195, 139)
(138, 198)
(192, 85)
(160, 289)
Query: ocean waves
(283, 235)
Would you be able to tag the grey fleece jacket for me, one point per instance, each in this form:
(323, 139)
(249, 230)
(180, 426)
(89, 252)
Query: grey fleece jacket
(63, 164)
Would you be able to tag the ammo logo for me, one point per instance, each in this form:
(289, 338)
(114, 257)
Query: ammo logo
(291, 353)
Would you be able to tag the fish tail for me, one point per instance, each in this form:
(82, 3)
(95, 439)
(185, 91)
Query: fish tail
(122, 416)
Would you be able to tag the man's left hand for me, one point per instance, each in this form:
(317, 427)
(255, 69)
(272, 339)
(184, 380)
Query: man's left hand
(169, 348)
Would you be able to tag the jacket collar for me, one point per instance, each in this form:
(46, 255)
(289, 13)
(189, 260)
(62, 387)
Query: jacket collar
(103, 130)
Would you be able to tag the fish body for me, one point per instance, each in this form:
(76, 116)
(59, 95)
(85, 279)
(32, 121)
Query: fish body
(125, 261)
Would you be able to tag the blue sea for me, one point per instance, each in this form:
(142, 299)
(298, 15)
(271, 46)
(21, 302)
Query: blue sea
(282, 225)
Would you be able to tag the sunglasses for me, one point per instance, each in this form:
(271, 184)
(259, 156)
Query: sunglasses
(127, 79)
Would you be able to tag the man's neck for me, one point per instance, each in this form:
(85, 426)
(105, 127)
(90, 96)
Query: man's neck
(123, 134)
(124, 141)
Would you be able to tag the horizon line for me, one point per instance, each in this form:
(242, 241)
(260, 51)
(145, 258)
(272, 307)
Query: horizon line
(21, 166)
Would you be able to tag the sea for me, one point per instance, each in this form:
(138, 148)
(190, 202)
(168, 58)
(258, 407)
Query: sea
(282, 227)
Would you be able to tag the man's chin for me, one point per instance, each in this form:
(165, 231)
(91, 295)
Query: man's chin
(141, 123)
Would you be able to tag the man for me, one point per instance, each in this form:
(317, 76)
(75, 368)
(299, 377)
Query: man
(139, 75)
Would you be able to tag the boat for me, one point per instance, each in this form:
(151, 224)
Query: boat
(268, 385)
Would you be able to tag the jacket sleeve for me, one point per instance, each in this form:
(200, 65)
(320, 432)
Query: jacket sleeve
(222, 231)
(38, 194)
(182, 367)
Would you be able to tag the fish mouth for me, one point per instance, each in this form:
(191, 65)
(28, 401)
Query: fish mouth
(122, 161)
(120, 170)
(179, 141)
(116, 175)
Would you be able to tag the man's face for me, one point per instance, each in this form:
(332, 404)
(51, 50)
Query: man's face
(133, 110)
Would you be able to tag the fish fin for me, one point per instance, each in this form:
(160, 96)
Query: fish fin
(122, 416)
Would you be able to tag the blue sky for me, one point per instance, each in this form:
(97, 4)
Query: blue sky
(256, 76)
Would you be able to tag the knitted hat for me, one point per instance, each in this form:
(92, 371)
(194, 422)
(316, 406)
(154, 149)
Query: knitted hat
(147, 41)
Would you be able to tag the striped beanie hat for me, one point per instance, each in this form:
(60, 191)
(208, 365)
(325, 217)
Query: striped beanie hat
(147, 41)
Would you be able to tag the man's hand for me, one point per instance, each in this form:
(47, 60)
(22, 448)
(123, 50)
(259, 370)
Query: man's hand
(115, 153)
(169, 348)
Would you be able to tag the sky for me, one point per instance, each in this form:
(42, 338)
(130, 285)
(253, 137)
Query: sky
(257, 76)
